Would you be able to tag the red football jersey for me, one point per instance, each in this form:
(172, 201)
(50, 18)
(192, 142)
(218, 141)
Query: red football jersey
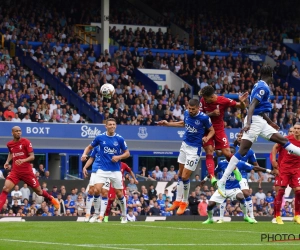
(20, 150)
(222, 104)
(289, 161)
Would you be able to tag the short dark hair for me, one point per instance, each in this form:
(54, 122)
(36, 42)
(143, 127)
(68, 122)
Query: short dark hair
(194, 102)
(266, 71)
(207, 91)
(111, 120)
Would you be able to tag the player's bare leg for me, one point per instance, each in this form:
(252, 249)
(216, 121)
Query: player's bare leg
(210, 163)
(89, 202)
(186, 173)
(38, 190)
(8, 186)
(179, 192)
(97, 201)
(122, 203)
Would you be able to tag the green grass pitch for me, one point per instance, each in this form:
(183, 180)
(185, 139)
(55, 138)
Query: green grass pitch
(142, 235)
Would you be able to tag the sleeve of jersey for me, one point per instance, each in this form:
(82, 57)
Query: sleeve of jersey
(229, 102)
(252, 157)
(259, 94)
(9, 149)
(93, 154)
(207, 122)
(123, 144)
(244, 166)
(29, 147)
(95, 142)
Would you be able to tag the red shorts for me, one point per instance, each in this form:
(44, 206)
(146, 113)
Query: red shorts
(219, 140)
(112, 193)
(28, 177)
(277, 181)
(291, 178)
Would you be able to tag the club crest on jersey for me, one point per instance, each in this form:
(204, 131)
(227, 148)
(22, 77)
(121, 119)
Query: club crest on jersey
(262, 92)
(142, 132)
(180, 133)
(116, 143)
(20, 146)
(197, 122)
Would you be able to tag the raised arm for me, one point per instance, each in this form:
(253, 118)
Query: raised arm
(171, 124)
(86, 166)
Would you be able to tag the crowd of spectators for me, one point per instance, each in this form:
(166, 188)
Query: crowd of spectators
(27, 98)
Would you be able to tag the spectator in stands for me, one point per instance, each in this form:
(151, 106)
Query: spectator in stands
(202, 206)
(157, 172)
(16, 194)
(155, 210)
(235, 121)
(41, 170)
(25, 192)
(152, 192)
(295, 57)
(132, 186)
(171, 172)
(54, 192)
(260, 195)
(70, 204)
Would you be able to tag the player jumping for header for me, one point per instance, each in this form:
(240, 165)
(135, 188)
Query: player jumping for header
(257, 123)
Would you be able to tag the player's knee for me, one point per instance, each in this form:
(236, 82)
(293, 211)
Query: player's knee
(246, 193)
(209, 150)
(104, 193)
(6, 189)
(91, 191)
(240, 196)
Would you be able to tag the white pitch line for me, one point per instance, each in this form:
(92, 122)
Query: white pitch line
(209, 244)
(202, 229)
(72, 245)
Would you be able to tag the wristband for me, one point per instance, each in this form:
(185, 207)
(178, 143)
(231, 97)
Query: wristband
(268, 171)
(206, 178)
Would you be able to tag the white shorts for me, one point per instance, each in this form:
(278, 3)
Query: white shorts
(230, 193)
(115, 177)
(189, 156)
(258, 127)
(244, 184)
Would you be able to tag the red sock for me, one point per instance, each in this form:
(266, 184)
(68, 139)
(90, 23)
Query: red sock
(47, 195)
(228, 158)
(297, 203)
(279, 196)
(210, 165)
(274, 213)
(108, 208)
(3, 197)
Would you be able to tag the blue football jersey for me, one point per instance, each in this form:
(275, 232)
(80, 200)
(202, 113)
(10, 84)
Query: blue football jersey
(249, 157)
(261, 92)
(244, 166)
(109, 147)
(231, 182)
(195, 127)
(95, 154)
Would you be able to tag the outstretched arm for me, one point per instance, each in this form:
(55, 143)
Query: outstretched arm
(171, 124)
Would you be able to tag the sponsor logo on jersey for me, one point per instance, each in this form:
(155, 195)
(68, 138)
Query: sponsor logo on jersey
(89, 132)
(18, 154)
(190, 129)
(142, 132)
(111, 151)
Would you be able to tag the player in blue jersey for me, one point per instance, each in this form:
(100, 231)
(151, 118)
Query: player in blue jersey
(113, 149)
(93, 159)
(233, 190)
(196, 123)
(257, 123)
(249, 157)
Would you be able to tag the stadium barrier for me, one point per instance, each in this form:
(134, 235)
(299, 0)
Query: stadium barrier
(191, 218)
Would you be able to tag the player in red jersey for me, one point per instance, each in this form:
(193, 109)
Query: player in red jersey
(284, 161)
(21, 153)
(112, 192)
(214, 106)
